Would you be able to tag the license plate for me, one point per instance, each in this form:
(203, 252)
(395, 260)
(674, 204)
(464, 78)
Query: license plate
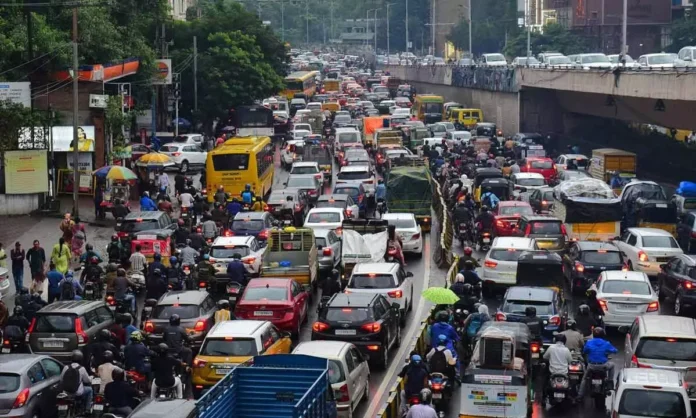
(96, 381)
(222, 371)
(5, 350)
(559, 395)
(53, 344)
(98, 407)
(535, 355)
(626, 306)
(596, 381)
(89, 292)
(263, 313)
(486, 240)
(574, 377)
(437, 395)
(232, 298)
(345, 332)
(62, 407)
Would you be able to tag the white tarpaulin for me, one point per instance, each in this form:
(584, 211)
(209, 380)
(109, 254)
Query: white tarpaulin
(367, 248)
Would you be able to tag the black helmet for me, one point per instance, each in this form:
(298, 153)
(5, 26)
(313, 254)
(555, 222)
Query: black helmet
(162, 348)
(425, 396)
(598, 332)
(117, 374)
(442, 316)
(77, 356)
(174, 320)
(223, 304)
(108, 356)
(127, 319)
(121, 272)
(530, 311)
(560, 337)
(572, 324)
(468, 265)
(583, 310)
(484, 208)
(89, 247)
(157, 272)
(105, 335)
(237, 256)
(468, 289)
(334, 273)
(18, 310)
(24, 291)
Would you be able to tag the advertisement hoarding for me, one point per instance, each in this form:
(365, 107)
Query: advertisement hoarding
(16, 92)
(163, 74)
(26, 172)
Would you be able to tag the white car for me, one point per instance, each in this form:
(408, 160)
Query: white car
(292, 152)
(500, 264)
(387, 279)
(493, 60)
(593, 61)
(458, 137)
(686, 57)
(647, 248)
(224, 248)
(525, 62)
(346, 136)
(300, 134)
(302, 127)
(189, 139)
(408, 230)
(324, 218)
(313, 106)
(530, 181)
(629, 61)
(185, 156)
(438, 130)
(580, 160)
(349, 373)
(308, 167)
(624, 295)
(657, 61)
(648, 392)
(559, 61)
(358, 174)
(401, 111)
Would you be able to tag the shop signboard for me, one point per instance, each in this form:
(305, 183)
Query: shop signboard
(26, 172)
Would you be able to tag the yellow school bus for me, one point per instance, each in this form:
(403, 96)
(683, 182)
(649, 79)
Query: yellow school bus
(428, 108)
(238, 162)
(304, 82)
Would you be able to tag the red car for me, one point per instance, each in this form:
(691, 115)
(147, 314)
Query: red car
(507, 215)
(284, 302)
(542, 165)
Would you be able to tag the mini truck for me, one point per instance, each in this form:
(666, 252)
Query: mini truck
(279, 386)
(292, 253)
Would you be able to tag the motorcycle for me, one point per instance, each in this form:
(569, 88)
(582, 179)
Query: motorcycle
(439, 385)
(90, 291)
(186, 216)
(147, 310)
(599, 387)
(13, 345)
(187, 273)
(234, 290)
(558, 390)
(138, 281)
(110, 299)
(392, 255)
(99, 404)
(484, 240)
(69, 406)
(458, 319)
(576, 370)
(137, 380)
(381, 207)
(464, 233)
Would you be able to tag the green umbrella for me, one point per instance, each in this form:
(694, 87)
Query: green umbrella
(440, 296)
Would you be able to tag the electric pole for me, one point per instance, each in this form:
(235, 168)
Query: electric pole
(195, 73)
(388, 44)
(177, 95)
(407, 25)
(76, 139)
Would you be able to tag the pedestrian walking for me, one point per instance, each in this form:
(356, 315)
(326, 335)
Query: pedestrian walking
(17, 255)
(36, 256)
(54, 278)
(78, 239)
(60, 256)
(98, 199)
(66, 226)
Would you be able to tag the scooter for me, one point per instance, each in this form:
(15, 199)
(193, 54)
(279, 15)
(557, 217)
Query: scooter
(234, 291)
(464, 233)
(484, 240)
(12, 345)
(558, 391)
(439, 385)
(576, 370)
(147, 310)
(90, 291)
(69, 406)
(599, 387)
(381, 207)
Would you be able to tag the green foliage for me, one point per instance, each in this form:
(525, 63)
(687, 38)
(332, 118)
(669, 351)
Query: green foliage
(493, 21)
(554, 37)
(14, 118)
(683, 33)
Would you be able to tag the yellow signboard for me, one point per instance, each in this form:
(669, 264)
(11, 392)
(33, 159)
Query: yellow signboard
(26, 172)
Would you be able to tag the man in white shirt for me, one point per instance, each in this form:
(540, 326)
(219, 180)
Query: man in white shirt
(186, 199)
(163, 180)
(137, 260)
(558, 356)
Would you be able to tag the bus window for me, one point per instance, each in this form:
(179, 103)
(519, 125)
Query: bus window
(230, 162)
(264, 160)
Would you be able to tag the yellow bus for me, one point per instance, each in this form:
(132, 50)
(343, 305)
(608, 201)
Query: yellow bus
(238, 162)
(428, 108)
(301, 82)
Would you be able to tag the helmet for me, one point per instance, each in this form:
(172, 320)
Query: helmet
(146, 194)
(416, 358)
(468, 288)
(442, 316)
(459, 277)
(121, 272)
(108, 356)
(592, 292)
(117, 374)
(223, 304)
(173, 260)
(237, 256)
(188, 242)
(335, 273)
(530, 311)
(442, 339)
(599, 332)
(104, 335)
(77, 356)
(114, 238)
(18, 310)
(157, 272)
(174, 320)
(560, 338)
(206, 256)
(180, 222)
(484, 208)
(468, 251)
(89, 247)
(476, 306)
(162, 348)
(137, 336)
(157, 257)
(468, 265)
(583, 310)
(247, 187)
(25, 290)
(425, 396)
(572, 324)
(94, 260)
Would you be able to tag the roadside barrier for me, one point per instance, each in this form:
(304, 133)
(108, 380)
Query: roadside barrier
(442, 255)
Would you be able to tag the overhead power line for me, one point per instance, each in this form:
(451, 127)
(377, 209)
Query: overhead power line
(32, 60)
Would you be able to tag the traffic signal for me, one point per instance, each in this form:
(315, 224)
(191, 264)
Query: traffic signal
(177, 91)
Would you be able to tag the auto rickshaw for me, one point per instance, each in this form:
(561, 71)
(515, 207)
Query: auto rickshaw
(116, 191)
(499, 380)
(542, 269)
(659, 214)
(154, 241)
(500, 187)
(481, 175)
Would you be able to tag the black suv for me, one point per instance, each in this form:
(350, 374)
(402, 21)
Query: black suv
(549, 232)
(366, 320)
(586, 260)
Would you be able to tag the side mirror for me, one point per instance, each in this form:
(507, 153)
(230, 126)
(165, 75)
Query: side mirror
(624, 329)
(409, 274)
(615, 239)
(663, 267)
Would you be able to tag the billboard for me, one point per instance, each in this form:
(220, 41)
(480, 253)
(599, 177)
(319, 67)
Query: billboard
(26, 172)
(640, 12)
(63, 138)
(16, 92)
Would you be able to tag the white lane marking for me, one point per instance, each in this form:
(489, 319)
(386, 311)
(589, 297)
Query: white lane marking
(406, 344)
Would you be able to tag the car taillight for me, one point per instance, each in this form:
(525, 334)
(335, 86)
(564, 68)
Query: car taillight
(579, 267)
(490, 264)
(373, 327)
(624, 268)
(544, 203)
(342, 394)
(31, 329)
(534, 347)
(319, 326)
(149, 327)
(298, 207)
(176, 154)
(636, 363)
(249, 260)
(397, 294)
(110, 300)
(416, 236)
(653, 307)
(555, 320)
(687, 285)
(500, 317)
(311, 192)
(327, 252)
(368, 181)
(81, 334)
(263, 234)
(228, 233)
(602, 304)
(200, 326)
(642, 256)
(528, 229)
(199, 363)
(21, 399)
(318, 176)
(201, 285)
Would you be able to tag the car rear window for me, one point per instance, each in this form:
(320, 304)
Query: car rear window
(347, 314)
(266, 293)
(230, 162)
(372, 281)
(660, 242)
(137, 226)
(55, 323)
(336, 374)
(626, 287)
(321, 242)
(354, 175)
(302, 182)
(518, 307)
(184, 311)
(601, 257)
(339, 204)
(530, 182)
(323, 217)
(229, 251)
(402, 223)
(689, 203)
(350, 191)
(515, 210)
(304, 170)
(673, 349)
(652, 403)
(347, 137)
(232, 347)
(546, 227)
(505, 254)
(9, 382)
(252, 224)
(541, 165)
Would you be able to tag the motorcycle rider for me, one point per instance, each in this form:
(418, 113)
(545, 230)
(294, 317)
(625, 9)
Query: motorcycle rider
(120, 210)
(233, 208)
(93, 273)
(574, 339)
(206, 271)
(70, 288)
(104, 370)
(136, 353)
(219, 216)
(458, 285)
(220, 197)
(470, 275)
(115, 250)
(223, 312)
(174, 336)
(17, 325)
(558, 358)
(156, 265)
(197, 240)
(200, 206)
(89, 253)
(484, 221)
(468, 251)
(76, 382)
(439, 353)
(467, 299)
(259, 205)
(535, 324)
(585, 321)
(147, 204)
(188, 254)
(181, 234)
(596, 351)
(156, 285)
(137, 261)
(174, 274)
(381, 193)
(395, 241)
(163, 367)
(236, 270)
(118, 393)
(595, 308)
(332, 285)
(462, 215)
(97, 349)
(489, 198)
(209, 227)
(247, 195)
(443, 327)
(121, 285)
(416, 375)
(423, 409)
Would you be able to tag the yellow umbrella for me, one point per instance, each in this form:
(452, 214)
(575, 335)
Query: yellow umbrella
(155, 160)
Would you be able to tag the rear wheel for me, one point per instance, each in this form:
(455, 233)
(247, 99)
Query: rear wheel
(678, 305)
(184, 166)
(599, 402)
(660, 291)
(397, 342)
(402, 318)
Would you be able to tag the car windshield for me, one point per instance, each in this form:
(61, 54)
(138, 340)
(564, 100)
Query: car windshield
(662, 348)
(626, 287)
(601, 257)
(432, 107)
(530, 182)
(509, 254)
(9, 382)
(559, 60)
(372, 281)
(541, 165)
(347, 314)
(137, 226)
(232, 347)
(170, 148)
(55, 323)
(515, 210)
(380, 89)
(229, 251)
(184, 311)
(495, 58)
(689, 204)
(304, 170)
(652, 403)
(249, 224)
(660, 59)
(547, 195)
(350, 191)
(353, 175)
(660, 242)
(402, 223)
(546, 227)
(302, 182)
(266, 293)
(590, 59)
(348, 137)
(518, 307)
(323, 217)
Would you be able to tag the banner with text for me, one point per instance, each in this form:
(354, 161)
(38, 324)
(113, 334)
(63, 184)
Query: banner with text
(26, 172)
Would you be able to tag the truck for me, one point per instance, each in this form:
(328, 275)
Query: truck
(315, 119)
(364, 241)
(386, 136)
(279, 386)
(292, 253)
(606, 162)
(409, 190)
(370, 126)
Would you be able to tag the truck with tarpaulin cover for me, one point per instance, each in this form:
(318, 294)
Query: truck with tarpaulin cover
(409, 189)
(279, 386)
(364, 241)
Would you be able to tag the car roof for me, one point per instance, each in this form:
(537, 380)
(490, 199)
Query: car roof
(540, 218)
(72, 306)
(538, 159)
(144, 215)
(511, 203)
(238, 328)
(305, 164)
(636, 276)
(596, 245)
(513, 242)
(393, 215)
(354, 168)
(186, 297)
(376, 268)
(574, 156)
(668, 326)
(18, 363)
(528, 176)
(656, 377)
(346, 300)
(251, 215)
(650, 232)
(354, 185)
(270, 282)
(236, 240)
(341, 197)
(322, 349)
(690, 259)
(152, 408)
(530, 293)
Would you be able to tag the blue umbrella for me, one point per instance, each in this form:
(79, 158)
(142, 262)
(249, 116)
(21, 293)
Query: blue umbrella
(182, 122)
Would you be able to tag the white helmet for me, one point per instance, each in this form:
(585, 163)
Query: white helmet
(463, 177)
(459, 278)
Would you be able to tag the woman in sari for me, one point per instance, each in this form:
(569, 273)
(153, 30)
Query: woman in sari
(79, 236)
(60, 256)
(66, 226)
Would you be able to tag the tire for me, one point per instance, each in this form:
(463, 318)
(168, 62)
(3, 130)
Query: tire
(678, 305)
(296, 333)
(383, 362)
(184, 166)
(397, 342)
(599, 402)
(402, 318)
(366, 395)
(660, 291)
(410, 302)
(630, 266)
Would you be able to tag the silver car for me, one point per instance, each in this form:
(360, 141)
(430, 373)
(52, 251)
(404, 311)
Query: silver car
(328, 250)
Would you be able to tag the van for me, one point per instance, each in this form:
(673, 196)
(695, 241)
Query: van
(467, 117)
(649, 393)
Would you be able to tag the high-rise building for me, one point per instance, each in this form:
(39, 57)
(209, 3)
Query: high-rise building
(179, 7)
(447, 14)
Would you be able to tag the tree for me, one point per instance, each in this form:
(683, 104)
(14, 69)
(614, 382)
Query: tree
(494, 20)
(14, 119)
(553, 37)
(683, 33)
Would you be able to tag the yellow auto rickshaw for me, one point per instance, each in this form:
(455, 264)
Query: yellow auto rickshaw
(152, 242)
(481, 175)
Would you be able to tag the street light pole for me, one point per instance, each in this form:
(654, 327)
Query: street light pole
(624, 46)
(529, 32)
(471, 52)
(76, 139)
(406, 25)
(282, 20)
(376, 31)
(307, 19)
(432, 32)
(388, 5)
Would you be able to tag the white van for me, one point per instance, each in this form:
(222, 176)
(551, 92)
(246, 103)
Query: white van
(649, 393)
